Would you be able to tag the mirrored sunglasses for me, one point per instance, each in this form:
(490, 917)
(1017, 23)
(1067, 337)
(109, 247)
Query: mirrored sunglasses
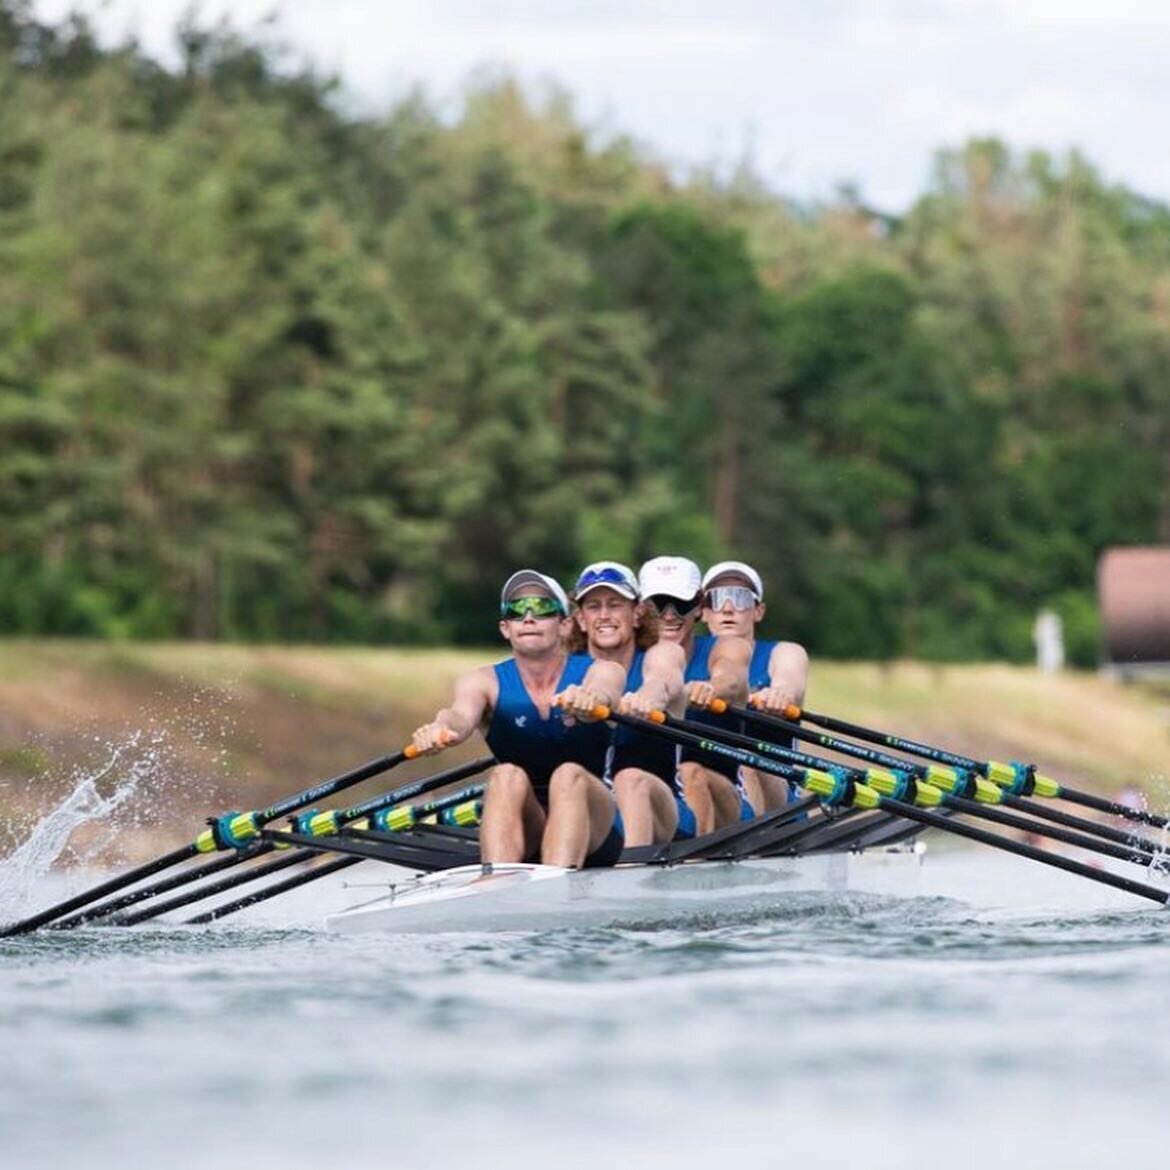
(539, 607)
(740, 596)
(663, 602)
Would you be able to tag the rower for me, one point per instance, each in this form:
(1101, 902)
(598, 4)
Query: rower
(545, 797)
(611, 625)
(715, 668)
(733, 605)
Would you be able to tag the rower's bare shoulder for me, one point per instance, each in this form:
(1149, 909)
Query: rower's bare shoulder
(792, 653)
(478, 684)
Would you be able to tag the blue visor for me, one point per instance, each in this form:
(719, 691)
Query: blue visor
(612, 575)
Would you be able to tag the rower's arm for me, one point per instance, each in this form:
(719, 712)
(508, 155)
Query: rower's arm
(728, 666)
(787, 679)
(475, 696)
(662, 683)
(606, 680)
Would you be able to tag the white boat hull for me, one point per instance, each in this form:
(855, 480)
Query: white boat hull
(541, 897)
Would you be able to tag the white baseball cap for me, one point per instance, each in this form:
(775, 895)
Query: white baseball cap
(671, 576)
(523, 577)
(609, 574)
(738, 567)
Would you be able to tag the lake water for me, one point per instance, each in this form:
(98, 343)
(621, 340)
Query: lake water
(1007, 1014)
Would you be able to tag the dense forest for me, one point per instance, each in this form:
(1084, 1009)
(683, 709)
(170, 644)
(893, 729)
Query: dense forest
(272, 370)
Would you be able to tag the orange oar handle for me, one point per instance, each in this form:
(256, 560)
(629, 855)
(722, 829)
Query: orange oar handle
(606, 713)
(412, 753)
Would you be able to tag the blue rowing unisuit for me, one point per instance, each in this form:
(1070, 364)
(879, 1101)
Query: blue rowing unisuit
(638, 749)
(699, 666)
(518, 735)
(699, 670)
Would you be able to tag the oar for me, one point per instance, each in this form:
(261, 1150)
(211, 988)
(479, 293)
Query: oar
(837, 786)
(312, 824)
(233, 830)
(462, 803)
(185, 877)
(901, 783)
(832, 789)
(962, 782)
(1020, 779)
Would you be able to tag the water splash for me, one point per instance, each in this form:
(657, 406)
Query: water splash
(94, 799)
(162, 762)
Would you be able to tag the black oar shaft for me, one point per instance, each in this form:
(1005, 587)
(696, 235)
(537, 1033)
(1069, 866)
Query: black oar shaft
(210, 890)
(707, 742)
(224, 861)
(961, 829)
(886, 760)
(290, 804)
(415, 788)
(1070, 820)
(897, 742)
(320, 871)
(99, 891)
(1101, 804)
(1138, 853)
(937, 821)
(397, 796)
(289, 883)
(336, 784)
(844, 746)
(939, 755)
(1044, 829)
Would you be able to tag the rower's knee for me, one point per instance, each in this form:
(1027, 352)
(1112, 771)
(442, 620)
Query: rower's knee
(568, 782)
(508, 785)
(632, 784)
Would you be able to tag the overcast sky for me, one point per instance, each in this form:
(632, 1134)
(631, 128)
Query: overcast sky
(815, 92)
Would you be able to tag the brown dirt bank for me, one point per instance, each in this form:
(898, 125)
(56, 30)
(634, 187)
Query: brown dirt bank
(204, 728)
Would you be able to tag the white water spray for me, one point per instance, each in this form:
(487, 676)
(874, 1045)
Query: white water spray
(129, 764)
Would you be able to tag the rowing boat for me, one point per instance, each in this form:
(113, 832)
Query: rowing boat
(842, 835)
(546, 897)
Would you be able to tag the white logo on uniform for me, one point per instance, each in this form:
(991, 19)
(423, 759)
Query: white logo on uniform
(521, 720)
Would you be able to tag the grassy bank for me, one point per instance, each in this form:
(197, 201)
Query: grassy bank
(201, 728)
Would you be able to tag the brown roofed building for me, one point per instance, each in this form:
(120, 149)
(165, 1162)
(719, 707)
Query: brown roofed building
(1133, 592)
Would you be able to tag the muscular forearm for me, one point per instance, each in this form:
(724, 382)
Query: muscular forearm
(605, 681)
(787, 679)
(457, 723)
(729, 684)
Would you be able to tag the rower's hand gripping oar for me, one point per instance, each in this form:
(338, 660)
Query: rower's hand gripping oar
(232, 830)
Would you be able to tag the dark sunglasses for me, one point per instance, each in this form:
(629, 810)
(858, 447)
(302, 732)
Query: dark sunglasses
(539, 607)
(683, 608)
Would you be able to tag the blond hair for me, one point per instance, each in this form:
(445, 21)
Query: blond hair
(645, 633)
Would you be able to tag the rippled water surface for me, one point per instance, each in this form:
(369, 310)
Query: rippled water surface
(1005, 1014)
